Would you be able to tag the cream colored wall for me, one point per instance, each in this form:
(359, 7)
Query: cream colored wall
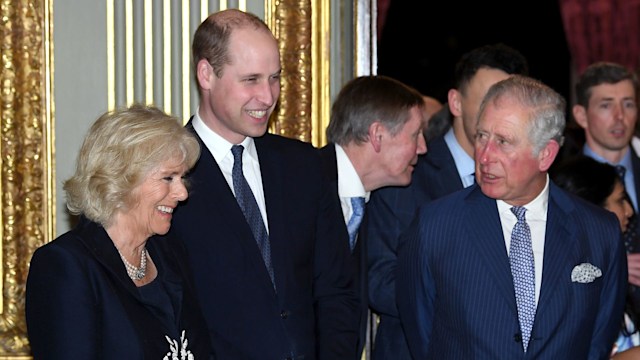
(80, 84)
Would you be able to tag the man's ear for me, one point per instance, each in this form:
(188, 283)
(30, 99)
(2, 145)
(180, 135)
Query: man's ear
(376, 132)
(548, 155)
(204, 74)
(453, 99)
(580, 115)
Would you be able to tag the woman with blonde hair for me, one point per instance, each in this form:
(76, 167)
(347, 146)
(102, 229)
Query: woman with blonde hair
(114, 286)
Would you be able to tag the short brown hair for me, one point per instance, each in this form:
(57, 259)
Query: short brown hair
(211, 40)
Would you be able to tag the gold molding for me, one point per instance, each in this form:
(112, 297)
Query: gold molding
(302, 28)
(26, 155)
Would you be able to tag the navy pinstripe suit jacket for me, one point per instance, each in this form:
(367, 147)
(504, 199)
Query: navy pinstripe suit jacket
(455, 291)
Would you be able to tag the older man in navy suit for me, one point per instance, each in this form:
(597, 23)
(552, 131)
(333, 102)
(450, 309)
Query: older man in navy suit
(514, 268)
(447, 167)
(272, 271)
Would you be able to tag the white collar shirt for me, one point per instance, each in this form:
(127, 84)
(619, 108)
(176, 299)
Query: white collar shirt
(536, 217)
(349, 183)
(220, 149)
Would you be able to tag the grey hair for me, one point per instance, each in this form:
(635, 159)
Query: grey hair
(368, 99)
(546, 120)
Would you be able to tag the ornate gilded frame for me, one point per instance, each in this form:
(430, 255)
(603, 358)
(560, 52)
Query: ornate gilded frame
(302, 28)
(26, 157)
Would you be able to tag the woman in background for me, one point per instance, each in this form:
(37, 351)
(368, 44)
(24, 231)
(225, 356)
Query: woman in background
(600, 184)
(114, 287)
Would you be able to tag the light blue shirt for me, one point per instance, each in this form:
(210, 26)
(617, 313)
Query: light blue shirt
(465, 164)
(629, 181)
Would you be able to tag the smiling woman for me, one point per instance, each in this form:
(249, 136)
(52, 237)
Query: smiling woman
(114, 277)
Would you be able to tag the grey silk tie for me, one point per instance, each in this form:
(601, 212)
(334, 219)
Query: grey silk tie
(250, 209)
(523, 272)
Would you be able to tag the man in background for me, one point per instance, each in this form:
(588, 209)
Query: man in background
(375, 136)
(607, 110)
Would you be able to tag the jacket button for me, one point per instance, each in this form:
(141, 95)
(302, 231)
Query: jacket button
(284, 314)
(517, 337)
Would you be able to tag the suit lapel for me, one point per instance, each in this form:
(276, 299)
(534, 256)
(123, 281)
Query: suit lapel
(485, 229)
(271, 168)
(96, 239)
(559, 242)
(443, 172)
(215, 195)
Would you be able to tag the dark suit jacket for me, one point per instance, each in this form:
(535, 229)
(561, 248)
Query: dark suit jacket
(81, 304)
(330, 168)
(310, 315)
(455, 290)
(390, 211)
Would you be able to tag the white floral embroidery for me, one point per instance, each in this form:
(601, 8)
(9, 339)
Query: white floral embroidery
(178, 353)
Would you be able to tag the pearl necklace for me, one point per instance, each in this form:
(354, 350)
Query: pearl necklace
(136, 273)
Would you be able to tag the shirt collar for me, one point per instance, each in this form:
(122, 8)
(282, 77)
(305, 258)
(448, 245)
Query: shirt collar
(536, 209)
(625, 161)
(464, 163)
(217, 145)
(349, 183)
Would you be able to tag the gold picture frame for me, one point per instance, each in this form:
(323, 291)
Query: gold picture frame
(26, 157)
(303, 31)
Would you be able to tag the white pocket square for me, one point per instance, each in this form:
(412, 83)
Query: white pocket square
(585, 273)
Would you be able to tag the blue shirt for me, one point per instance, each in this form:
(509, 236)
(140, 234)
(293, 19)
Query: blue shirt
(464, 163)
(629, 181)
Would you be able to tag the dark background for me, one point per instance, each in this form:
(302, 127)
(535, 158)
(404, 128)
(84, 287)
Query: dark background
(422, 40)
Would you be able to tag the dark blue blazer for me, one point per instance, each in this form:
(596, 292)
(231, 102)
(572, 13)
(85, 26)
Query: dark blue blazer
(389, 213)
(81, 304)
(358, 257)
(310, 313)
(455, 290)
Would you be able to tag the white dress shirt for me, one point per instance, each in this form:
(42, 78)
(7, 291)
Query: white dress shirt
(220, 148)
(349, 183)
(536, 217)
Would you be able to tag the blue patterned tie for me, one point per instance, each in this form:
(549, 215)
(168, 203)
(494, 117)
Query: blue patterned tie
(357, 203)
(250, 209)
(523, 272)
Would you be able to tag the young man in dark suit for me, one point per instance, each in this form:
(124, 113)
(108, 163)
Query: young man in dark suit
(272, 271)
(375, 137)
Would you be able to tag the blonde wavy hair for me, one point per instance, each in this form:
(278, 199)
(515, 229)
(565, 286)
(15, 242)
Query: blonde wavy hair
(121, 148)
